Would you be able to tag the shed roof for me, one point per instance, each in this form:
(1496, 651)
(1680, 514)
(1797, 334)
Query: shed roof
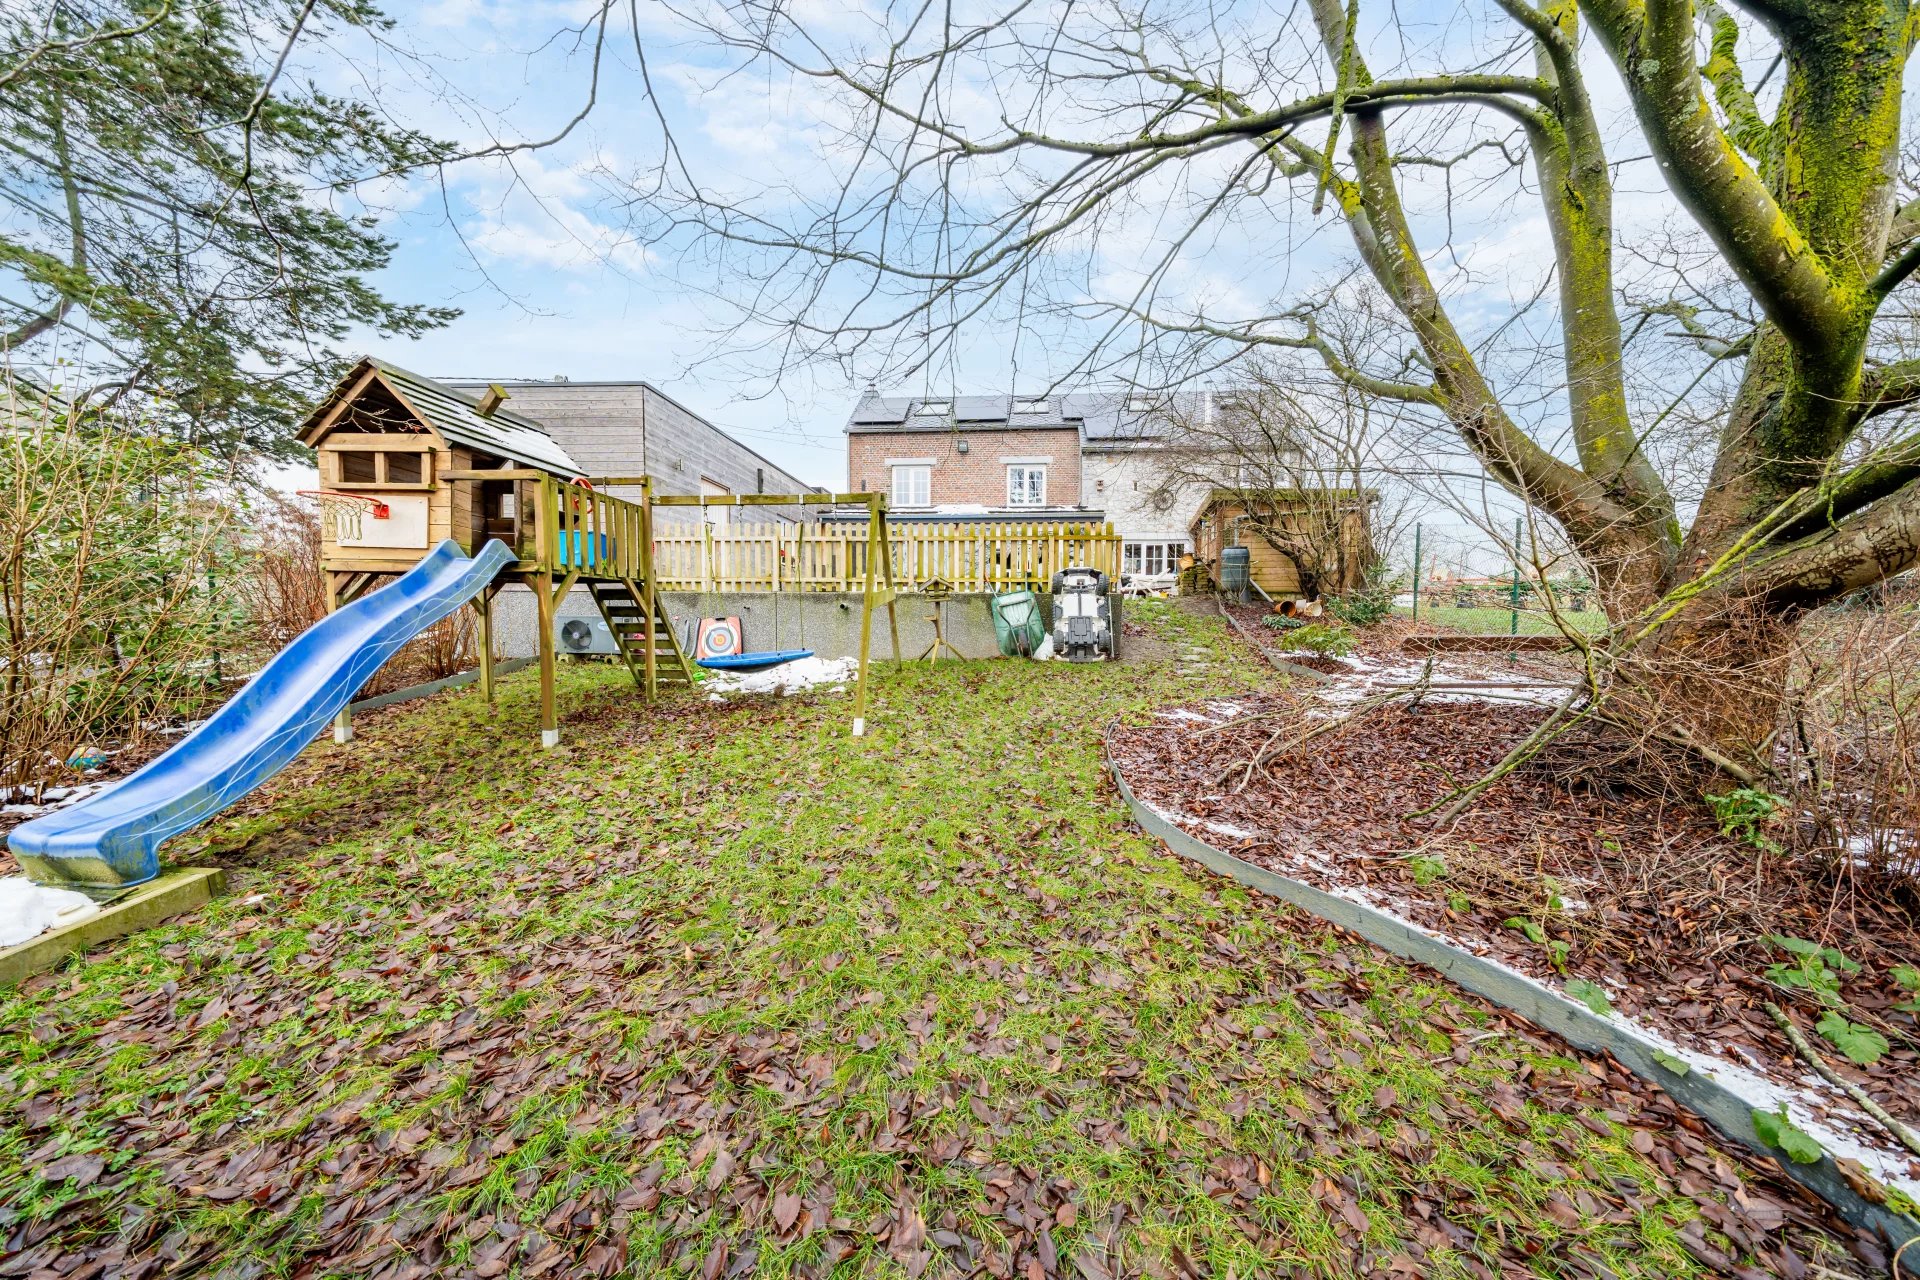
(456, 417)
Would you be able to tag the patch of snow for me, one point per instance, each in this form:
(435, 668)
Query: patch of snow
(1181, 713)
(28, 910)
(1883, 845)
(1370, 676)
(55, 798)
(1887, 1163)
(1226, 829)
(1226, 708)
(797, 676)
(1883, 1161)
(1169, 815)
(1043, 652)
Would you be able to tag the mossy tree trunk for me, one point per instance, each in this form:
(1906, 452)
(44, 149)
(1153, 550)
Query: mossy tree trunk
(1804, 209)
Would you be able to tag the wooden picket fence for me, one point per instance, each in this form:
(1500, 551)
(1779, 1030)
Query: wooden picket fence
(812, 557)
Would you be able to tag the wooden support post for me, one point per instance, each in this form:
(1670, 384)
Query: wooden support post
(342, 723)
(546, 520)
(483, 610)
(649, 593)
(877, 518)
(866, 636)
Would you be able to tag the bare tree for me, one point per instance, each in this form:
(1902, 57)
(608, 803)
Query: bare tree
(1300, 456)
(981, 154)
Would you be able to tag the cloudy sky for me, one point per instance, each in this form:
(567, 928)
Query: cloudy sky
(557, 259)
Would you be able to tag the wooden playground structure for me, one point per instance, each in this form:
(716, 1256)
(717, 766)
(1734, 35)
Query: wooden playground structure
(406, 464)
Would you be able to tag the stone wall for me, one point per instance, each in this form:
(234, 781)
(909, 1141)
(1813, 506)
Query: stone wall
(1133, 487)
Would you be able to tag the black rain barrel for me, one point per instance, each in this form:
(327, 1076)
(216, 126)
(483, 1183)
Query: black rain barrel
(1236, 565)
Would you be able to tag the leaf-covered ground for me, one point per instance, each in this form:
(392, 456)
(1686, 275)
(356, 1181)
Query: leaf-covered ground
(721, 991)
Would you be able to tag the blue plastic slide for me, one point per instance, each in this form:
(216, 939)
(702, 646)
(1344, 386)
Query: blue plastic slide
(111, 839)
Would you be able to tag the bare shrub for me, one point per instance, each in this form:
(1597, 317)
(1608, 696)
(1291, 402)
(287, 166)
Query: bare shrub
(109, 622)
(287, 593)
(1851, 751)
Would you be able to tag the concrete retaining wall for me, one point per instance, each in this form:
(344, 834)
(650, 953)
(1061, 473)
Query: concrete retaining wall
(826, 622)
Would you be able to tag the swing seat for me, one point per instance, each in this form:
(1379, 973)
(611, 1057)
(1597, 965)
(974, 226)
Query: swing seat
(753, 661)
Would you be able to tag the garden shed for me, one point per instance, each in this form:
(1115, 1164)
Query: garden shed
(1280, 527)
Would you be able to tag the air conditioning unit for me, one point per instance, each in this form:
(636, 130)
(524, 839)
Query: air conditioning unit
(583, 635)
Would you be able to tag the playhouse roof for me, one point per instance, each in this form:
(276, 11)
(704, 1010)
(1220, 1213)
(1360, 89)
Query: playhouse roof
(456, 417)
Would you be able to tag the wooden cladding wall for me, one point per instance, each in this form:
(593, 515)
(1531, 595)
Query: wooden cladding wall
(970, 557)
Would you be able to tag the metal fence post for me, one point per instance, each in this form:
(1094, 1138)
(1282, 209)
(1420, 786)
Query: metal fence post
(1513, 602)
(1416, 573)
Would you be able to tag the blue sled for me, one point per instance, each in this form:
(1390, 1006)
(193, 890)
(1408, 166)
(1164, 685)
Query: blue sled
(754, 661)
(111, 840)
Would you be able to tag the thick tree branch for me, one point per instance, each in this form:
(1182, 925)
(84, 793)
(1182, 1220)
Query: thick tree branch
(1576, 189)
(1385, 239)
(1652, 45)
(1744, 124)
(1876, 544)
(1488, 90)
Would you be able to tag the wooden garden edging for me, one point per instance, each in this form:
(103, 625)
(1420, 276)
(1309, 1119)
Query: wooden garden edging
(1723, 1108)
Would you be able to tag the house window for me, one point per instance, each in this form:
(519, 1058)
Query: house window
(1152, 559)
(936, 408)
(1026, 486)
(1035, 404)
(913, 486)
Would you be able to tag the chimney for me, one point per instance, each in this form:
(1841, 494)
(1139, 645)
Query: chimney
(490, 403)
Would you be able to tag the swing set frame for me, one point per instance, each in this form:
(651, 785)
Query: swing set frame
(878, 578)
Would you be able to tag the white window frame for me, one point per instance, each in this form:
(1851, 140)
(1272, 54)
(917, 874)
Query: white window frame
(908, 472)
(1030, 404)
(1019, 497)
(935, 409)
(1138, 556)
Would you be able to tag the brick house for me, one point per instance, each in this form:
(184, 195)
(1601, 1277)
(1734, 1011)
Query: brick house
(969, 457)
(1077, 457)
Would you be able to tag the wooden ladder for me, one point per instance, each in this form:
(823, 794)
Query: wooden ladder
(631, 612)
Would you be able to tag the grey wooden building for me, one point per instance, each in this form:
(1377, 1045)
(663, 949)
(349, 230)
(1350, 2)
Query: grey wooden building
(634, 428)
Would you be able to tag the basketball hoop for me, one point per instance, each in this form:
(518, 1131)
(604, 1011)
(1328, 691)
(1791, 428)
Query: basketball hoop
(341, 513)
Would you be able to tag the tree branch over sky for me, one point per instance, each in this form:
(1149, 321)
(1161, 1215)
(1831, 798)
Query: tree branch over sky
(173, 192)
(1106, 173)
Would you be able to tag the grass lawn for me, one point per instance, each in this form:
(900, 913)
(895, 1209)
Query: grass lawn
(1496, 622)
(720, 991)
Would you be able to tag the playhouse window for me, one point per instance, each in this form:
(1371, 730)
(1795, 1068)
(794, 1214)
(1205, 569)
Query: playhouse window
(404, 468)
(357, 467)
